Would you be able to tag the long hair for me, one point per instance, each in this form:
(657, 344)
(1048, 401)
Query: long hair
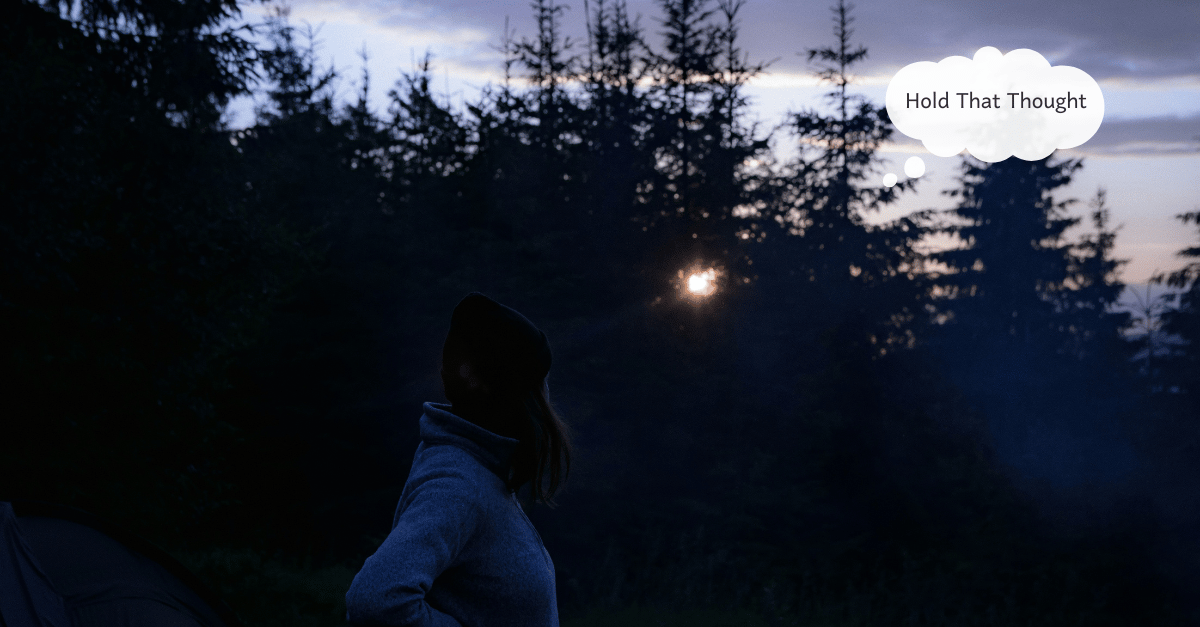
(522, 412)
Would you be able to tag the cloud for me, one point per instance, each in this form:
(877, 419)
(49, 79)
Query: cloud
(394, 30)
(1106, 39)
(1141, 40)
(1115, 38)
(1157, 136)
(1146, 136)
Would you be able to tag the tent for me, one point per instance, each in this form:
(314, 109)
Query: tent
(62, 567)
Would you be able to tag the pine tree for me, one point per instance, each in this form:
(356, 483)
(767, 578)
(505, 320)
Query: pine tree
(1028, 338)
(739, 163)
(675, 211)
(553, 122)
(863, 276)
(1182, 366)
(616, 159)
(1004, 283)
(428, 155)
(1093, 288)
(290, 152)
(133, 267)
(703, 152)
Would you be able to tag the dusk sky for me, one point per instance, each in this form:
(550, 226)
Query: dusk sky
(1144, 55)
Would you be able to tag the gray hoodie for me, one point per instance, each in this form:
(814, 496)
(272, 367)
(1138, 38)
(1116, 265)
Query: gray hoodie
(461, 552)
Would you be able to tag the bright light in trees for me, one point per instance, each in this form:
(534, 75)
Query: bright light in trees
(703, 283)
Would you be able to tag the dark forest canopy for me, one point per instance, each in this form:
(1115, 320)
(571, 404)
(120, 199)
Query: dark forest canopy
(220, 338)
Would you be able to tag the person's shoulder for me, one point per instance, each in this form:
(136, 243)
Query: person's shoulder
(450, 467)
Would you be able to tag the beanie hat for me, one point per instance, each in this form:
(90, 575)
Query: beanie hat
(504, 347)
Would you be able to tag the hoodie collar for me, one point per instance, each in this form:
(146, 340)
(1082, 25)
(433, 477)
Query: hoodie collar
(440, 426)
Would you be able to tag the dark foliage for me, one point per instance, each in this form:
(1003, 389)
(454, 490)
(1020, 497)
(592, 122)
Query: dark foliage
(133, 266)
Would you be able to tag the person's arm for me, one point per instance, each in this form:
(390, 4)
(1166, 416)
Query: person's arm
(441, 515)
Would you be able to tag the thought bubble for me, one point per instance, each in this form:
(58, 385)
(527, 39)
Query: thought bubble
(995, 105)
(914, 167)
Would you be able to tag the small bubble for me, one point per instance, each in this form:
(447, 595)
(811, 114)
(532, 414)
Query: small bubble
(914, 167)
(889, 179)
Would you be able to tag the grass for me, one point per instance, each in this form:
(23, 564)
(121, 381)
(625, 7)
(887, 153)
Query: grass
(266, 592)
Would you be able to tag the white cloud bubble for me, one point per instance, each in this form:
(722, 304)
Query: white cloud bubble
(995, 105)
(914, 167)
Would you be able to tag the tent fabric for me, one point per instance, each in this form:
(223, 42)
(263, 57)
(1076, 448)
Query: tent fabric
(104, 577)
(26, 595)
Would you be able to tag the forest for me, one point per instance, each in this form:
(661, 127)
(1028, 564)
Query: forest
(783, 411)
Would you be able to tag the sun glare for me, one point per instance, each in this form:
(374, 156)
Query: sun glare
(702, 283)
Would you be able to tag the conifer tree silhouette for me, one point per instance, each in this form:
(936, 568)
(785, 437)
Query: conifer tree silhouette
(1182, 368)
(1015, 263)
(866, 277)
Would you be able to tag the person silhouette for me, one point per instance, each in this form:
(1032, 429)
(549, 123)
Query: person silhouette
(461, 551)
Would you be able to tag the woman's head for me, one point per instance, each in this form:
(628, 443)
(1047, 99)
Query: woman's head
(494, 367)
